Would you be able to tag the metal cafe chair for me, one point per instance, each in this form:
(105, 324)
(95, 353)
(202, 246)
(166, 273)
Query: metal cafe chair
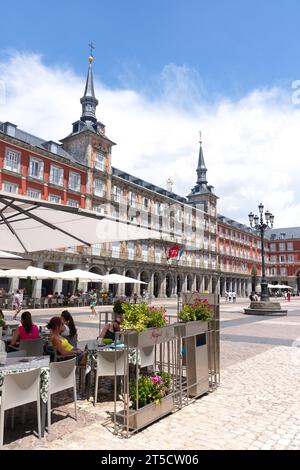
(106, 366)
(33, 347)
(19, 389)
(62, 377)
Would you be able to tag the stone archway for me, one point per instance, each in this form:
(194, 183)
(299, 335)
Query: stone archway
(129, 287)
(214, 285)
(222, 286)
(179, 282)
(198, 283)
(189, 283)
(113, 288)
(156, 284)
(169, 284)
(144, 277)
(298, 282)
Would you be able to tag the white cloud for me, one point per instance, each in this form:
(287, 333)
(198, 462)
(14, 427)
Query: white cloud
(251, 146)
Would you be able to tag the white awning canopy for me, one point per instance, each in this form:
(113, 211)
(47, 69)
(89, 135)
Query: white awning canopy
(118, 279)
(79, 274)
(279, 286)
(28, 225)
(31, 271)
(11, 261)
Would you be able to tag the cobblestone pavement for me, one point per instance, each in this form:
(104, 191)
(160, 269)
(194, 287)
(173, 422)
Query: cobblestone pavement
(256, 407)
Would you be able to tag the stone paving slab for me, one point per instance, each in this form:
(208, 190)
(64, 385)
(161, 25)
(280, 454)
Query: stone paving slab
(256, 407)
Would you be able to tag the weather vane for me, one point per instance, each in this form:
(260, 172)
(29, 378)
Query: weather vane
(200, 135)
(91, 58)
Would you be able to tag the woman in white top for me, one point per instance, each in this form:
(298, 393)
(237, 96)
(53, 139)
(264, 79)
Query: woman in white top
(69, 330)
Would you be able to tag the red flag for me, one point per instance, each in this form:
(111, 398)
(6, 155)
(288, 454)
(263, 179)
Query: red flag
(173, 251)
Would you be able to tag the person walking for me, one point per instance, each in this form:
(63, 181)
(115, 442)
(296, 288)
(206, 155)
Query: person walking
(17, 303)
(93, 303)
(233, 297)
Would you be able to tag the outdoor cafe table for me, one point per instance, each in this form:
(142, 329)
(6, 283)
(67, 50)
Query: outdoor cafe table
(23, 364)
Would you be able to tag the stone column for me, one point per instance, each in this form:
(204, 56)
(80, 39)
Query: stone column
(202, 283)
(58, 282)
(151, 286)
(163, 286)
(37, 287)
(209, 284)
(249, 287)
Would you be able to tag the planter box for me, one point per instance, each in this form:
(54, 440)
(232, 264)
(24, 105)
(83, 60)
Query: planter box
(150, 337)
(148, 414)
(191, 328)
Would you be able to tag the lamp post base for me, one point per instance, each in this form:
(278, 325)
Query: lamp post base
(265, 308)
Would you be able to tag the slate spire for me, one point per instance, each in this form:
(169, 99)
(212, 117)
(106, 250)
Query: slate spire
(89, 101)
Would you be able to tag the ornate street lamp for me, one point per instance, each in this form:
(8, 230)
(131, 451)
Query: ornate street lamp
(262, 224)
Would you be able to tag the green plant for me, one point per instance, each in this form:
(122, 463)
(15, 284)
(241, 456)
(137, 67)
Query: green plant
(200, 309)
(149, 388)
(135, 317)
(2, 322)
(140, 317)
(107, 341)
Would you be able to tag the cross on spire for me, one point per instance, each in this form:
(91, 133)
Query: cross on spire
(92, 47)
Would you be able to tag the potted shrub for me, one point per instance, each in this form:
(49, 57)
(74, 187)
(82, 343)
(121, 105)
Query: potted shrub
(145, 326)
(194, 317)
(150, 399)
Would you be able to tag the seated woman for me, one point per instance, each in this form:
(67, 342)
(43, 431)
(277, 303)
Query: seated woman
(27, 330)
(109, 330)
(70, 331)
(61, 344)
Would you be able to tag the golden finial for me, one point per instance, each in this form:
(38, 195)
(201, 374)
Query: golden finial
(91, 58)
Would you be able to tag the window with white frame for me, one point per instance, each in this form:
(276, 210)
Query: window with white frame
(72, 203)
(273, 258)
(145, 253)
(98, 187)
(115, 248)
(116, 194)
(157, 255)
(290, 246)
(36, 168)
(273, 247)
(99, 160)
(282, 258)
(74, 181)
(34, 193)
(197, 261)
(12, 160)
(132, 199)
(291, 258)
(273, 271)
(10, 187)
(54, 198)
(56, 175)
(283, 271)
(281, 246)
(130, 248)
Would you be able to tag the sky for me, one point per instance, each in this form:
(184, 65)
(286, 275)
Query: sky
(164, 70)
